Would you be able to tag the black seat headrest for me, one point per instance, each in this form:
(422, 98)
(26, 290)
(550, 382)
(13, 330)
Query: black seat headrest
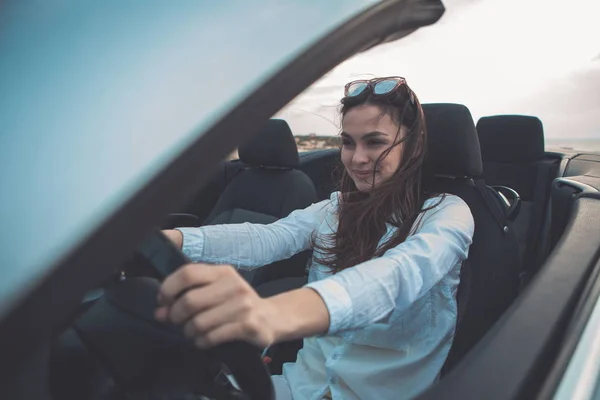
(511, 138)
(453, 146)
(273, 146)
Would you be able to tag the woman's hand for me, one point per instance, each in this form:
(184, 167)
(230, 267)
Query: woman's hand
(216, 305)
(174, 236)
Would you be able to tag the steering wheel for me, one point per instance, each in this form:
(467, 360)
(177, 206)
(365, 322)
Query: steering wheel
(153, 360)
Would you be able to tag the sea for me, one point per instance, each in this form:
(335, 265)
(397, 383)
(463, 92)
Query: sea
(570, 144)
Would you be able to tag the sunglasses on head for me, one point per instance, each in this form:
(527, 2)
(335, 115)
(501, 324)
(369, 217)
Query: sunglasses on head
(377, 86)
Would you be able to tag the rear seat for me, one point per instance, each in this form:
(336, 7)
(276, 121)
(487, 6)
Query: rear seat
(512, 150)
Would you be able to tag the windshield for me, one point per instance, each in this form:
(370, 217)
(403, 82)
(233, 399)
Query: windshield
(534, 57)
(98, 96)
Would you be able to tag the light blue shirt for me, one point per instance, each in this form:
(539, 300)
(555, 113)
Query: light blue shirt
(392, 318)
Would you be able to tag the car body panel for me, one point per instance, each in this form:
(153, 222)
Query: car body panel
(581, 377)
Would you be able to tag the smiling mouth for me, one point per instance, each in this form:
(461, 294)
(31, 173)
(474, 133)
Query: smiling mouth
(364, 174)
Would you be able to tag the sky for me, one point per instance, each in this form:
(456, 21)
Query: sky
(535, 57)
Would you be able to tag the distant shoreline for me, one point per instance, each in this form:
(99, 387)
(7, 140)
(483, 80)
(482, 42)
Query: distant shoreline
(573, 144)
(317, 142)
(322, 142)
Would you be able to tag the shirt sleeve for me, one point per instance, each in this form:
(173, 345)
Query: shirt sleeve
(249, 245)
(369, 292)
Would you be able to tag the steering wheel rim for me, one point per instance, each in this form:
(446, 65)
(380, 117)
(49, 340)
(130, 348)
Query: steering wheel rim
(136, 298)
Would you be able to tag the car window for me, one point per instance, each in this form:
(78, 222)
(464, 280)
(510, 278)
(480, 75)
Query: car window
(99, 96)
(487, 56)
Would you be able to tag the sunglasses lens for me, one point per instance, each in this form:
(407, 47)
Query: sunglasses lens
(385, 86)
(356, 88)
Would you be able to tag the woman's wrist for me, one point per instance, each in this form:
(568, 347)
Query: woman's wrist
(297, 314)
(175, 236)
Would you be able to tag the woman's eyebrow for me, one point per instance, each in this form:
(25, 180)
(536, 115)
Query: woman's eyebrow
(368, 135)
(374, 134)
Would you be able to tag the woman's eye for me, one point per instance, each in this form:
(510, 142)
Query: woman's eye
(347, 143)
(376, 142)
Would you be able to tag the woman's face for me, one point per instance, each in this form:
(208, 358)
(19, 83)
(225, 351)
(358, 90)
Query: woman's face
(366, 134)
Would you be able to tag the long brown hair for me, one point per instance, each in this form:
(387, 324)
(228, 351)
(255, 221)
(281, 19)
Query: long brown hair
(398, 201)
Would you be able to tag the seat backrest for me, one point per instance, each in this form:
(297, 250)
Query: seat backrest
(267, 188)
(512, 150)
(489, 278)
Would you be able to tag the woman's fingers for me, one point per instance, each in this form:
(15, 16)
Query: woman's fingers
(248, 319)
(204, 298)
(190, 276)
(216, 305)
(162, 313)
(222, 314)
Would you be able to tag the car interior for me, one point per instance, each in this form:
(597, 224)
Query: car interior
(519, 195)
(500, 156)
(526, 290)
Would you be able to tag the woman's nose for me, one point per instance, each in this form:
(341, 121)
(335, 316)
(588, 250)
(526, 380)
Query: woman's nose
(360, 156)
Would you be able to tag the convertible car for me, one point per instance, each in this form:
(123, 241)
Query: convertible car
(115, 122)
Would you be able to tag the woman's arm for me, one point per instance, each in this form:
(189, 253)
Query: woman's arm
(216, 305)
(369, 292)
(251, 245)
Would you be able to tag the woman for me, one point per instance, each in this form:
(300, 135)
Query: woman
(379, 311)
